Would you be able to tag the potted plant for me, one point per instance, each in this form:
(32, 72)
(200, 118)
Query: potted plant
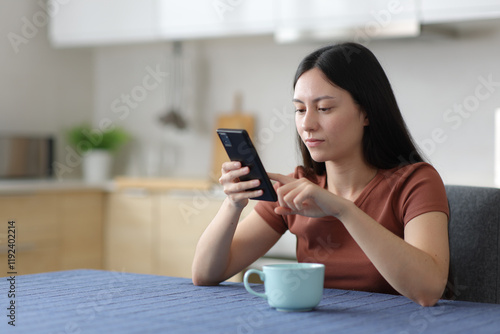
(96, 147)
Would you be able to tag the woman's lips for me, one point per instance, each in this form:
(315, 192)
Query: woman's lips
(312, 142)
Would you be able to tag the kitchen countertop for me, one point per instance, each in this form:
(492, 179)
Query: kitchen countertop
(161, 184)
(28, 186)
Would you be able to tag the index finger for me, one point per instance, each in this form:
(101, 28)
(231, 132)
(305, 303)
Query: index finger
(283, 179)
(230, 165)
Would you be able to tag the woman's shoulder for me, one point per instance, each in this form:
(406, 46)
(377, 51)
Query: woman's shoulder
(408, 178)
(415, 170)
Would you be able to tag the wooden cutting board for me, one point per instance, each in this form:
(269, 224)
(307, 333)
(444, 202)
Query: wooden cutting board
(237, 119)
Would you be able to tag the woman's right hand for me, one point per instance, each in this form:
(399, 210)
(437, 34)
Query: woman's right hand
(238, 191)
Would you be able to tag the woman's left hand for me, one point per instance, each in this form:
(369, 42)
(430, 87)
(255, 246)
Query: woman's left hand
(302, 197)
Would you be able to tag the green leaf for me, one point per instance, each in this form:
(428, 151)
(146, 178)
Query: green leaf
(85, 138)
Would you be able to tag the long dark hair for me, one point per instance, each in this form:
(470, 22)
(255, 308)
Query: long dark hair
(352, 67)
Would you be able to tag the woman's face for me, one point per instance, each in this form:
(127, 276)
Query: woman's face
(328, 120)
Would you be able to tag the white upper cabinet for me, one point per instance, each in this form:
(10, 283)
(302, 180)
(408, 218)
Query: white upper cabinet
(359, 19)
(99, 22)
(214, 18)
(442, 11)
(96, 22)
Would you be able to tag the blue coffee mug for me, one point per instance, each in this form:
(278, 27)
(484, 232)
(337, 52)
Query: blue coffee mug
(290, 287)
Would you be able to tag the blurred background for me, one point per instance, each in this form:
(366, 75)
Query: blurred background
(167, 73)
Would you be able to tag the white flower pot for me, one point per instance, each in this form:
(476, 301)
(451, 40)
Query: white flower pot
(96, 166)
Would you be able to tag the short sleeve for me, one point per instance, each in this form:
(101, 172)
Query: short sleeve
(422, 190)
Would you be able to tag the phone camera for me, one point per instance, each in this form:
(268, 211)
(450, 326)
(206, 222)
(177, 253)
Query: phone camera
(225, 140)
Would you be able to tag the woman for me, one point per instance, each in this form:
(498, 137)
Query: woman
(364, 203)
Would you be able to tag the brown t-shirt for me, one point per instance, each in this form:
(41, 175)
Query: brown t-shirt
(393, 198)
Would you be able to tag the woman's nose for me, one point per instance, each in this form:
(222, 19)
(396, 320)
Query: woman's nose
(309, 121)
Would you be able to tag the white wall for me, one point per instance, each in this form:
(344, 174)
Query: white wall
(430, 75)
(256, 67)
(435, 77)
(46, 90)
(42, 91)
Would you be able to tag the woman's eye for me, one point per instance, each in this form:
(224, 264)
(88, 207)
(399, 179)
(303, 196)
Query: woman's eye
(300, 110)
(324, 109)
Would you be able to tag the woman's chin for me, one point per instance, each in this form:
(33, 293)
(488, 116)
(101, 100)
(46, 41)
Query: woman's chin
(318, 159)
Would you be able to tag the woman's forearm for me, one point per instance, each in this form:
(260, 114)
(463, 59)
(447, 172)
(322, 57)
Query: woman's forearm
(212, 255)
(410, 270)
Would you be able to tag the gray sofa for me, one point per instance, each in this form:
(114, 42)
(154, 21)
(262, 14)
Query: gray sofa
(474, 231)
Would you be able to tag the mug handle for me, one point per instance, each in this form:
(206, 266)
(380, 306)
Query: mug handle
(247, 285)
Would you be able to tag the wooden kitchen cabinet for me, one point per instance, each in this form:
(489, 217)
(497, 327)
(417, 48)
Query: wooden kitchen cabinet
(183, 220)
(54, 231)
(81, 229)
(36, 233)
(156, 232)
(131, 232)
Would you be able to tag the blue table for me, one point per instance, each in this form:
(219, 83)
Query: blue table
(92, 301)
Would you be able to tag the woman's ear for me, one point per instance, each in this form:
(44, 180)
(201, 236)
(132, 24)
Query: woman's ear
(366, 121)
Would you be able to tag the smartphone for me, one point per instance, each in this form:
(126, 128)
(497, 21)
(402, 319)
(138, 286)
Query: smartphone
(239, 147)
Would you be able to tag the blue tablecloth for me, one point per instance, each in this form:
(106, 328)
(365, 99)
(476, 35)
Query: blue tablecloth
(91, 301)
